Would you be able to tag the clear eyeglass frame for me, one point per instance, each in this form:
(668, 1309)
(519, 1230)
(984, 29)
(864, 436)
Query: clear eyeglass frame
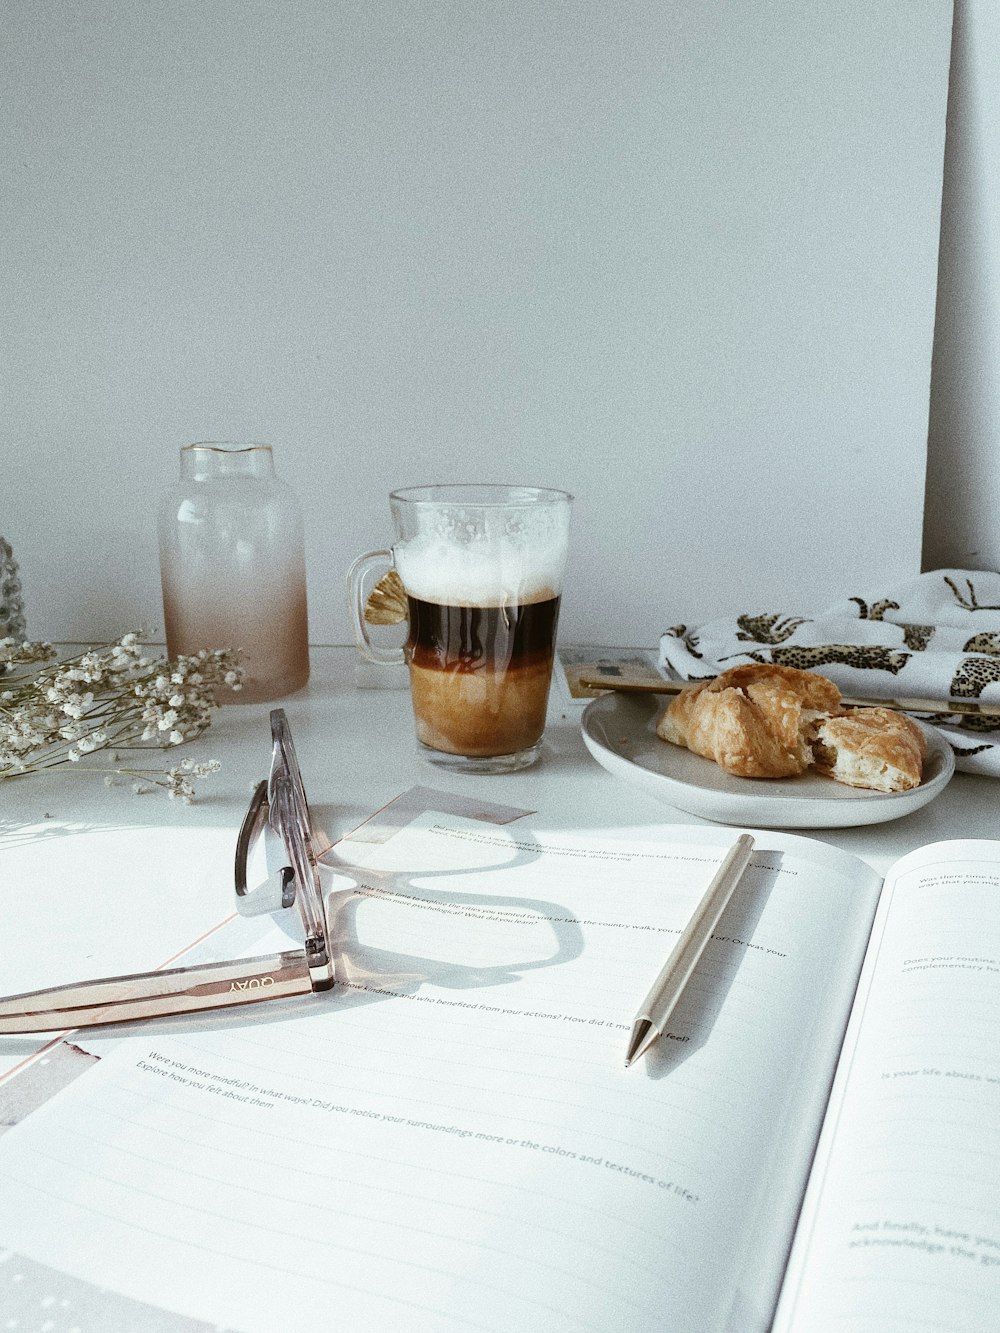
(280, 803)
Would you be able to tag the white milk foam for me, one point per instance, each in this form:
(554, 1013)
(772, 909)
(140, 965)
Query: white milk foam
(486, 573)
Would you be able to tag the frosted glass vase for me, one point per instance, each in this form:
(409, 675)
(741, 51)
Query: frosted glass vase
(232, 566)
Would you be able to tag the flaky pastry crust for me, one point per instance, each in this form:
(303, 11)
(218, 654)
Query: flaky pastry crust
(875, 748)
(753, 720)
(767, 721)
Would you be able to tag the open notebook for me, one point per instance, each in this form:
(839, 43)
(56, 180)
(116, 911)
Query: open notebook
(450, 1140)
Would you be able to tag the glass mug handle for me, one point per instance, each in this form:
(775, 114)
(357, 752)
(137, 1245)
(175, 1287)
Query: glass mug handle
(358, 588)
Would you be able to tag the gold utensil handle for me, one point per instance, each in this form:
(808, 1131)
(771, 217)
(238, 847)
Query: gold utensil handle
(623, 685)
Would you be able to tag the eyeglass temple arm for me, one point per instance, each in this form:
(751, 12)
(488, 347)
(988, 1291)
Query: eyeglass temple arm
(140, 995)
(308, 892)
(299, 885)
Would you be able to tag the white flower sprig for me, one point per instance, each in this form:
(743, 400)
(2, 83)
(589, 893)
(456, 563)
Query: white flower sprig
(108, 698)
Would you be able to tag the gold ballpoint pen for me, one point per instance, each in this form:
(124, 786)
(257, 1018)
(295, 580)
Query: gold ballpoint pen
(658, 1005)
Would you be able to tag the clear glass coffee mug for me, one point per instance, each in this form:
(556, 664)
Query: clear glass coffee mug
(482, 568)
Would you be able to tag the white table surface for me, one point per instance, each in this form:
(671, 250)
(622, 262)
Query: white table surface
(356, 749)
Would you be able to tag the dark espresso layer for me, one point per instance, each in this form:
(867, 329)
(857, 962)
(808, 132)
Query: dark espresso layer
(481, 638)
(479, 675)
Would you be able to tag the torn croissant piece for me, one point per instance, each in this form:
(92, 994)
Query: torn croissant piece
(874, 748)
(768, 721)
(386, 603)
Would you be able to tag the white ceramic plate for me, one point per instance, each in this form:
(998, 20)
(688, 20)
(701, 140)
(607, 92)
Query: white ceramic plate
(620, 732)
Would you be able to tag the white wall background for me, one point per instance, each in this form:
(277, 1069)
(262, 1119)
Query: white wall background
(962, 525)
(677, 256)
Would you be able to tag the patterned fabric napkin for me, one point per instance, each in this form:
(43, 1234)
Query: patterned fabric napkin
(936, 637)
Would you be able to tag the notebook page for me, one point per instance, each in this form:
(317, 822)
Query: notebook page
(449, 1139)
(901, 1228)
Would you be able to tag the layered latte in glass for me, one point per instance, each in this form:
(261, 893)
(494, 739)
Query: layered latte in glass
(482, 569)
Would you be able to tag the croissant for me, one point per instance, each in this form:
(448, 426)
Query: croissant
(874, 748)
(767, 721)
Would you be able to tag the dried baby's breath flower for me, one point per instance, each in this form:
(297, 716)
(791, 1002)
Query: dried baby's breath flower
(108, 698)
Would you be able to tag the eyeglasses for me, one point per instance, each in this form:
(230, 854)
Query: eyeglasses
(278, 804)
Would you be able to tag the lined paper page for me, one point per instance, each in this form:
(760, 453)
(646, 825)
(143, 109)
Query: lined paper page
(901, 1232)
(450, 1139)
